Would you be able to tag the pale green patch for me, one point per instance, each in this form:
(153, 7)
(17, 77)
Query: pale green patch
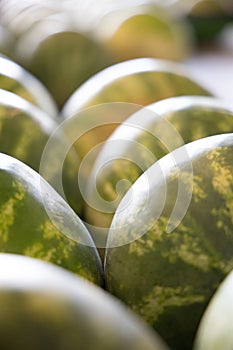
(154, 304)
(20, 191)
(187, 244)
(25, 139)
(7, 211)
(63, 244)
(56, 248)
(222, 182)
(6, 219)
(141, 247)
(222, 214)
(39, 249)
(49, 230)
(213, 155)
(35, 250)
(198, 193)
(138, 235)
(86, 273)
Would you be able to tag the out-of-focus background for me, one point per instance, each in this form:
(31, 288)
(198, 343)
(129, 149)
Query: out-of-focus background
(196, 32)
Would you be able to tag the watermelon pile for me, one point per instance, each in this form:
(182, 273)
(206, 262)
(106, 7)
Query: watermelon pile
(116, 176)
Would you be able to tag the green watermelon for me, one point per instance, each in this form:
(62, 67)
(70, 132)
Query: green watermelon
(140, 81)
(170, 243)
(46, 307)
(146, 30)
(37, 222)
(15, 78)
(24, 133)
(146, 136)
(215, 329)
(64, 60)
(104, 101)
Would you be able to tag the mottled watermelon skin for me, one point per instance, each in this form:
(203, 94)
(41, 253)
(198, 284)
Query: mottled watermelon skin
(134, 83)
(166, 277)
(141, 81)
(192, 117)
(22, 136)
(24, 133)
(35, 221)
(49, 308)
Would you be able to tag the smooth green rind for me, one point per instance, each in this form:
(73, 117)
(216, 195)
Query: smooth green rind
(24, 133)
(46, 307)
(132, 83)
(215, 329)
(141, 81)
(145, 31)
(16, 79)
(64, 60)
(144, 138)
(171, 275)
(35, 221)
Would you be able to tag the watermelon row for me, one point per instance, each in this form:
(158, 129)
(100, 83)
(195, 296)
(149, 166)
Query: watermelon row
(144, 137)
(167, 222)
(63, 44)
(46, 307)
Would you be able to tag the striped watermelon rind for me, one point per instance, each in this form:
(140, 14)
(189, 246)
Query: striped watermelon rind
(140, 81)
(172, 274)
(143, 138)
(25, 131)
(131, 83)
(37, 222)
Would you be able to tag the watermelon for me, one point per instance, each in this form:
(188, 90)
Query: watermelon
(36, 221)
(15, 78)
(215, 329)
(140, 81)
(64, 60)
(148, 30)
(136, 144)
(25, 131)
(104, 101)
(45, 307)
(170, 243)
